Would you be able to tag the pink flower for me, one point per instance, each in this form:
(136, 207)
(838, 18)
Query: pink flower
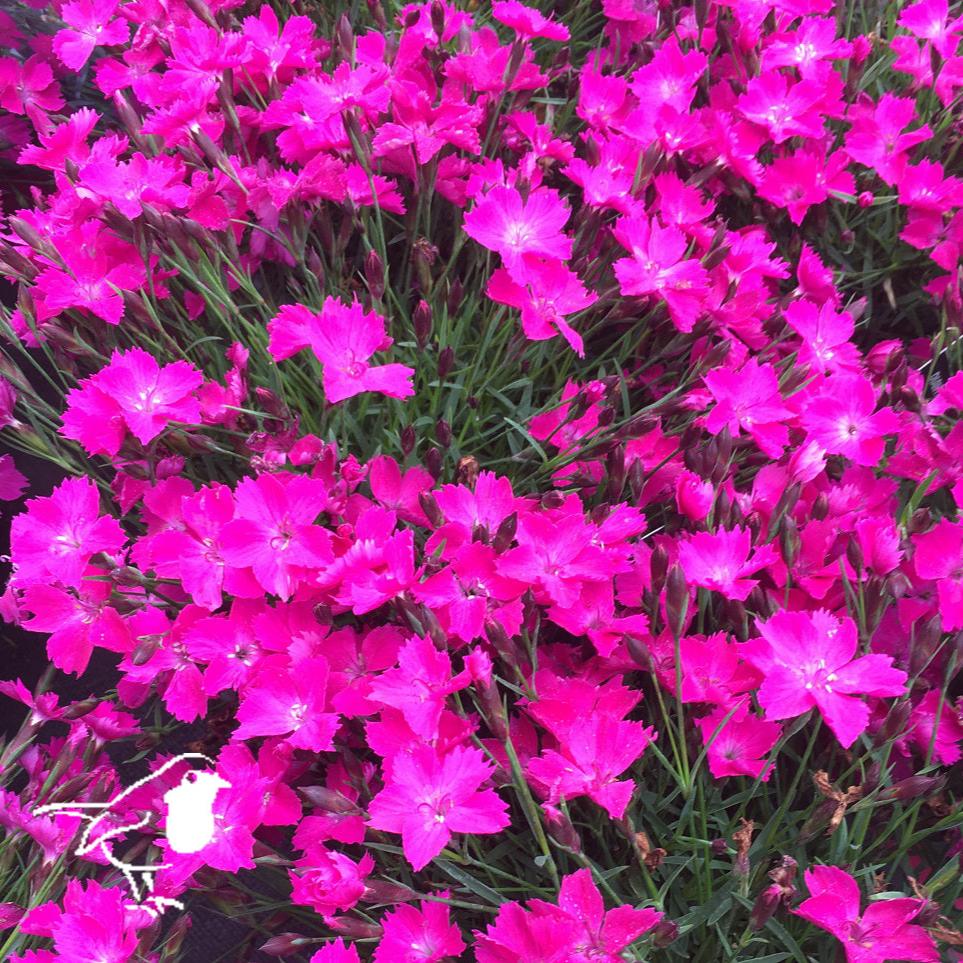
(94, 924)
(419, 686)
(328, 881)
(784, 109)
(146, 396)
(658, 266)
(336, 952)
(92, 26)
(749, 400)
(841, 416)
(428, 796)
(739, 745)
(591, 757)
(273, 530)
(939, 556)
(883, 932)
(808, 663)
(527, 21)
(825, 335)
(579, 928)
(721, 560)
(423, 935)
(57, 536)
(712, 671)
(513, 226)
(76, 623)
(343, 338)
(544, 292)
(291, 703)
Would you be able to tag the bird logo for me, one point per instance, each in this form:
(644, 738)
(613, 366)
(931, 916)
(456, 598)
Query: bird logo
(189, 824)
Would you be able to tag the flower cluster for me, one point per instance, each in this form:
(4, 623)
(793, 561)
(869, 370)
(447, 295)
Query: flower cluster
(481, 441)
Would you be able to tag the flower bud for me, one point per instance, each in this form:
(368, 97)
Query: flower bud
(384, 891)
(430, 507)
(354, 929)
(433, 462)
(505, 534)
(328, 800)
(676, 599)
(374, 275)
(421, 319)
(443, 433)
(446, 360)
(284, 944)
(407, 440)
(658, 568)
(664, 933)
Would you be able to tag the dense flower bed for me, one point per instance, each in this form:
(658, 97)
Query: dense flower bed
(520, 449)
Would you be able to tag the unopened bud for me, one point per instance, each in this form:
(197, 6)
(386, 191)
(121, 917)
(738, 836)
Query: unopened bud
(433, 462)
(443, 433)
(820, 507)
(659, 568)
(407, 440)
(284, 944)
(430, 507)
(676, 599)
(505, 534)
(446, 360)
(421, 319)
(664, 933)
(355, 929)
(328, 800)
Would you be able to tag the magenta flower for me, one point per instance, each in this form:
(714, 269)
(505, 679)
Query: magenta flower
(883, 932)
(329, 881)
(290, 702)
(58, 535)
(513, 226)
(808, 660)
(741, 744)
(146, 396)
(91, 24)
(419, 686)
(841, 416)
(527, 21)
(75, 623)
(659, 266)
(337, 952)
(273, 530)
(414, 935)
(578, 929)
(544, 292)
(94, 924)
(428, 796)
(749, 400)
(591, 757)
(343, 338)
(939, 556)
(721, 561)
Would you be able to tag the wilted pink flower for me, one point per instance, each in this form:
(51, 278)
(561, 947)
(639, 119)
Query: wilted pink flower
(428, 796)
(882, 932)
(12, 481)
(343, 338)
(329, 881)
(808, 660)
